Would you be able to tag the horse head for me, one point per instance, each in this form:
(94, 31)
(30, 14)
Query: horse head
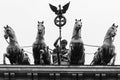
(41, 28)
(78, 24)
(111, 32)
(9, 33)
(77, 31)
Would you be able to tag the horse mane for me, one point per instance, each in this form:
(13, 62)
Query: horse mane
(108, 34)
(14, 38)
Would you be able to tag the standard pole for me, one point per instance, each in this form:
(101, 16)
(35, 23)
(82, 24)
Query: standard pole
(59, 58)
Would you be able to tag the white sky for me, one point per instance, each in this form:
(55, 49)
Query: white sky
(97, 16)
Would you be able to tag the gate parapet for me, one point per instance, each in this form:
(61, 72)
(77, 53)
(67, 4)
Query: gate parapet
(38, 72)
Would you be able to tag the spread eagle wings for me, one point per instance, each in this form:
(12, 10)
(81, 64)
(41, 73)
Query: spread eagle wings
(65, 7)
(54, 8)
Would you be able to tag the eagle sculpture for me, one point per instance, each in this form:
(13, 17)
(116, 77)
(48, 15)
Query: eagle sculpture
(59, 11)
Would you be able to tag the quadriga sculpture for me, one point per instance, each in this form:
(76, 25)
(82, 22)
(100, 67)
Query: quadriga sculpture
(40, 52)
(15, 53)
(106, 53)
(76, 51)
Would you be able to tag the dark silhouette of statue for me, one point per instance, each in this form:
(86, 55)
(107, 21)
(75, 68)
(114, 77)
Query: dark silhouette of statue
(59, 11)
(63, 51)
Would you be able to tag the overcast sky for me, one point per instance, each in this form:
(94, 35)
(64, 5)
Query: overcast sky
(97, 16)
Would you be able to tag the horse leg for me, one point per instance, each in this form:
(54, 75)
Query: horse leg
(112, 61)
(45, 58)
(92, 63)
(114, 58)
(4, 56)
(97, 59)
(36, 57)
(7, 56)
(51, 58)
(83, 59)
(36, 60)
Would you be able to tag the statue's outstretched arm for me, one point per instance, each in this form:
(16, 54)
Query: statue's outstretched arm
(55, 44)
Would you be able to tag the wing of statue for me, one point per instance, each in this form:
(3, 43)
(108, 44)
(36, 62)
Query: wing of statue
(65, 7)
(53, 8)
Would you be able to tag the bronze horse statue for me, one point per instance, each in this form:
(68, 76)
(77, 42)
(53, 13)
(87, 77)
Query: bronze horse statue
(15, 53)
(40, 52)
(76, 51)
(106, 53)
